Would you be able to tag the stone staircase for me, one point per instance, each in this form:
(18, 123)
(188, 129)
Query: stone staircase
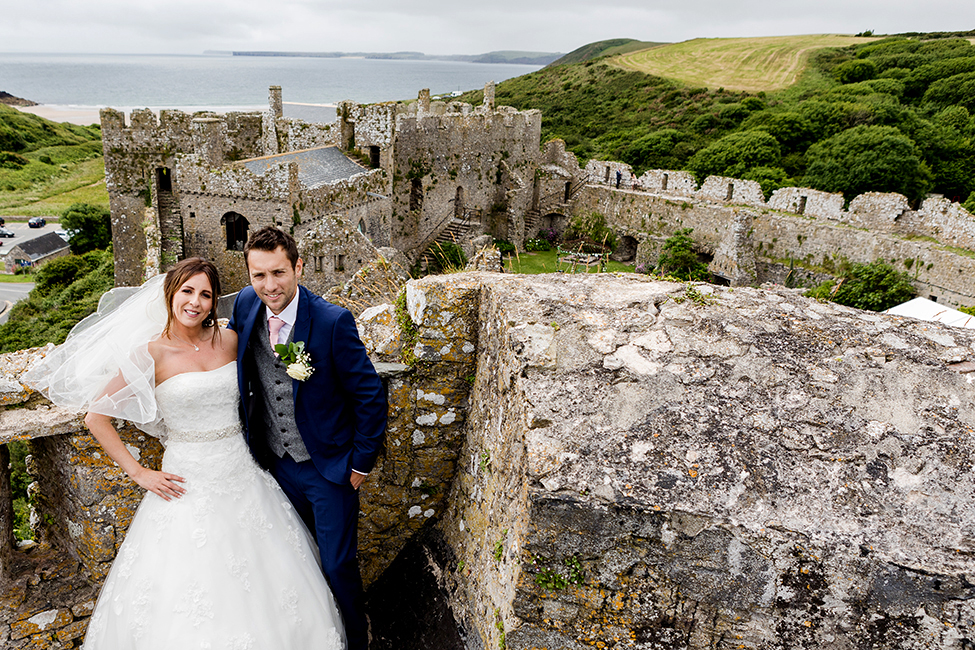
(171, 228)
(554, 202)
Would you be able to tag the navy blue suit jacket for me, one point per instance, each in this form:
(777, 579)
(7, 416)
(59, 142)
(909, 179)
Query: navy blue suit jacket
(340, 410)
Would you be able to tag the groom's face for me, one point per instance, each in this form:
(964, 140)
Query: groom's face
(273, 278)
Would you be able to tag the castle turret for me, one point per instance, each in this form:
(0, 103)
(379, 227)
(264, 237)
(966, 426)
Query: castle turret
(208, 139)
(489, 95)
(274, 101)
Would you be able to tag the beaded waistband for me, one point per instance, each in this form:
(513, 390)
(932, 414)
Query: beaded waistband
(205, 436)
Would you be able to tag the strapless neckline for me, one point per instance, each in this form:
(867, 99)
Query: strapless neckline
(194, 372)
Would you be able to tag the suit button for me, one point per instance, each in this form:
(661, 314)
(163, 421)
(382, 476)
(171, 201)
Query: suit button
(280, 415)
(284, 431)
(278, 398)
(277, 381)
(285, 444)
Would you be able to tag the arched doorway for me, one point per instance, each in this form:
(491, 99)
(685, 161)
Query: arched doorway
(236, 226)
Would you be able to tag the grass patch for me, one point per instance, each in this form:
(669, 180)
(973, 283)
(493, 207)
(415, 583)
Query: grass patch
(749, 64)
(548, 262)
(36, 195)
(15, 279)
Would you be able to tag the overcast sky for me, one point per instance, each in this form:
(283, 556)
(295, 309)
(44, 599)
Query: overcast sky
(440, 26)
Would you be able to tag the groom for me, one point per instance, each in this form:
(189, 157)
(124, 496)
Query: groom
(319, 437)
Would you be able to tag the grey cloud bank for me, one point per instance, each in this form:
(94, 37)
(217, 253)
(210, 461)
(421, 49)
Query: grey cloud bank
(439, 27)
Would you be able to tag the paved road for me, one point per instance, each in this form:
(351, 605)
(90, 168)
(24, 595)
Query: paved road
(11, 292)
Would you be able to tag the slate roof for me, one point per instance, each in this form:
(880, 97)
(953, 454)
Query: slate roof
(43, 246)
(315, 166)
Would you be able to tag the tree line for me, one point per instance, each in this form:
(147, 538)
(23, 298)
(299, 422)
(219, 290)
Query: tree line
(893, 115)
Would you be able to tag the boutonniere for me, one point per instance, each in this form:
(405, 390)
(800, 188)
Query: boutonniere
(299, 361)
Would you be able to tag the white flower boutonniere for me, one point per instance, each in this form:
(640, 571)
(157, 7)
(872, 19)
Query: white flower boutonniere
(299, 361)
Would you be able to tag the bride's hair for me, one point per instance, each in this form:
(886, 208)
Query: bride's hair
(182, 272)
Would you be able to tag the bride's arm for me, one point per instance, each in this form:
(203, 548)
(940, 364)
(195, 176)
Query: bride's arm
(162, 484)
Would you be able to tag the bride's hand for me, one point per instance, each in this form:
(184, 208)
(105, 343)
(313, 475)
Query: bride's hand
(162, 484)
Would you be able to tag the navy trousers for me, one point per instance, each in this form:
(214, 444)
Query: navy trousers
(331, 512)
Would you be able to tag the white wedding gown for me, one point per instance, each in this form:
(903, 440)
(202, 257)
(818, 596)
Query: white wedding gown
(227, 566)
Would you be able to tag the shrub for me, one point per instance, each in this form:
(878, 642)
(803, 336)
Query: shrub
(537, 245)
(505, 246)
(875, 286)
(970, 203)
(855, 71)
(47, 318)
(735, 154)
(551, 235)
(867, 158)
(592, 228)
(10, 160)
(89, 225)
(679, 259)
(447, 256)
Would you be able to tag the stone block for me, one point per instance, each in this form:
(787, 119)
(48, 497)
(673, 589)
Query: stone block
(46, 621)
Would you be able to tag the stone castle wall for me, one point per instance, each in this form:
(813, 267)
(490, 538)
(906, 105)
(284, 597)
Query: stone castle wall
(448, 153)
(614, 461)
(782, 238)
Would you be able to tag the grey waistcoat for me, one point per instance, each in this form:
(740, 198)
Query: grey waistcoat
(279, 406)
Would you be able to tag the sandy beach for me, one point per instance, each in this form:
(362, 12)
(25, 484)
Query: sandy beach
(73, 115)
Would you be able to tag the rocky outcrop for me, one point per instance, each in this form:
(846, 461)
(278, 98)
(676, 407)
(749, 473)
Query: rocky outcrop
(10, 100)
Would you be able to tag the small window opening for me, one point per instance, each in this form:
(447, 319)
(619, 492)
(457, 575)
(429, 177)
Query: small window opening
(663, 183)
(802, 205)
(416, 195)
(339, 261)
(731, 192)
(374, 156)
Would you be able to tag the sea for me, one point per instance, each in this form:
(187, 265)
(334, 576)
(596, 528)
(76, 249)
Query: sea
(311, 86)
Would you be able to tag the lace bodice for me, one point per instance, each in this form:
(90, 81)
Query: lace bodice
(200, 406)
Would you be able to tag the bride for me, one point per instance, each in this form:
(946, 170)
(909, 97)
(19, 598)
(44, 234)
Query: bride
(215, 556)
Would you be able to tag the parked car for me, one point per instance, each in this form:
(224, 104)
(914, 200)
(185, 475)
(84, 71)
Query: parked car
(36, 222)
(5, 233)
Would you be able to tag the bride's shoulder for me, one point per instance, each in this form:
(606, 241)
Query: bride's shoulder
(228, 340)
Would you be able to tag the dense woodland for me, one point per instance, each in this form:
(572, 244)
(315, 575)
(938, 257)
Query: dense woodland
(893, 115)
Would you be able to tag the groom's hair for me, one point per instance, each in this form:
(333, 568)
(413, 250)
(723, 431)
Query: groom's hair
(269, 239)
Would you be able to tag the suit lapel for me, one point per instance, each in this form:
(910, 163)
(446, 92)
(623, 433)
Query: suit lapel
(301, 329)
(249, 323)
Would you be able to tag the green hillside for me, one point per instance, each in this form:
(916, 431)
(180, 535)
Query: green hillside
(751, 64)
(46, 166)
(887, 115)
(611, 47)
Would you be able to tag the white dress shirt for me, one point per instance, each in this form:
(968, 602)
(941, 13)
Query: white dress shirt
(289, 315)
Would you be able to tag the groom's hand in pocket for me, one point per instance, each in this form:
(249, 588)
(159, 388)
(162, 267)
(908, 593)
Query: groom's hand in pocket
(357, 479)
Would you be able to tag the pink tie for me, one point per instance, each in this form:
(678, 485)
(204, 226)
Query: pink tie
(274, 325)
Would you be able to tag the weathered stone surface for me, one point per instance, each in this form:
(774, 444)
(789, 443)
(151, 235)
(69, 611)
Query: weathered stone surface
(758, 470)
(616, 462)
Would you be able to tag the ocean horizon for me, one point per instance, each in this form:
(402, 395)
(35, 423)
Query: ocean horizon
(69, 84)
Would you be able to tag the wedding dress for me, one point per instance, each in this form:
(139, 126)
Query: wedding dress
(227, 566)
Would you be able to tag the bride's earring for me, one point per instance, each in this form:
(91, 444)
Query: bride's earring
(211, 319)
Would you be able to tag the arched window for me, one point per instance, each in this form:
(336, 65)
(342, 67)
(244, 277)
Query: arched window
(236, 230)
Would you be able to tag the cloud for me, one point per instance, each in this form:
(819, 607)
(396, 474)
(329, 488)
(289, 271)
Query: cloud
(440, 27)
